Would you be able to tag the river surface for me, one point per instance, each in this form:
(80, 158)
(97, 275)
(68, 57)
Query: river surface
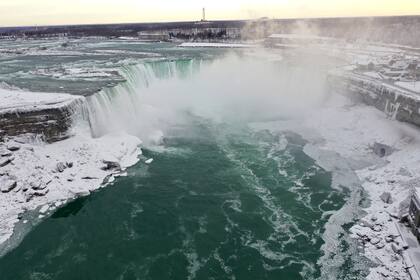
(221, 200)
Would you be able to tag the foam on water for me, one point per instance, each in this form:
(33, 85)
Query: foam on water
(125, 107)
(224, 198)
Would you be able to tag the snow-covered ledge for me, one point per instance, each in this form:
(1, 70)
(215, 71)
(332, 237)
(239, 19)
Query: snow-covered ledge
(47, 114)
(35, 175)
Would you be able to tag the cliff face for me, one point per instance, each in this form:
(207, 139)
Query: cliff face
(398, 103)
(47, 115)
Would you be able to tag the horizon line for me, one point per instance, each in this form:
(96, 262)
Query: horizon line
(215, 20)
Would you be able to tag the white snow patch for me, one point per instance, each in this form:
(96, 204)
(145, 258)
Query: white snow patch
(350, 130)
(414, 86)
(40, 184)
(15, 101)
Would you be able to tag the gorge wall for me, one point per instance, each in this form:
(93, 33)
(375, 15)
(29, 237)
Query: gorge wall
(50, 121)
(397, 103)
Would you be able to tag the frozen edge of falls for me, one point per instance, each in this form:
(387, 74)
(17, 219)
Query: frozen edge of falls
(40, 177)
(43, 185)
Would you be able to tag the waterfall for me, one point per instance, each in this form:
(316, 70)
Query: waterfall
(123, 107)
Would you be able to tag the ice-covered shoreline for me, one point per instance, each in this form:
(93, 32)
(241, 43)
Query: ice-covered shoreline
(341, 136)
(352, 132)
(52, 174)
(36, 176)
(18, 101)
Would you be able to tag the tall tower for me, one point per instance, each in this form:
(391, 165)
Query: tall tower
(204, 15)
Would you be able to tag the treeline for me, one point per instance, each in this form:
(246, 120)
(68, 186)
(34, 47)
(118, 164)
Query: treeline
(403, 30)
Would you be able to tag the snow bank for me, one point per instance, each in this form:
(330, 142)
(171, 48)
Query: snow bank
(350, 131)
(51, 174)
(414, 86)
(15, 101)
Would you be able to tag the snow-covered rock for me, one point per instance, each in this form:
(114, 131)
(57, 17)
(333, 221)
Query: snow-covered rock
(6, 185)
(35, 170)
(49, 115)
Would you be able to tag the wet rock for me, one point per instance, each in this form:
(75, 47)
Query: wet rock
(6, 185)
(386, 197)
(69, 164)
(111, 165)
(108, 179)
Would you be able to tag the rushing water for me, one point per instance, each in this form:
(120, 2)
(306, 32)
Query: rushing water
(220, 200)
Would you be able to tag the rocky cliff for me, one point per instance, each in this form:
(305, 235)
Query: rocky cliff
(47, 115)
(400, 104)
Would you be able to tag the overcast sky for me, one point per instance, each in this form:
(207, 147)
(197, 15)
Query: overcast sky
(49, 12)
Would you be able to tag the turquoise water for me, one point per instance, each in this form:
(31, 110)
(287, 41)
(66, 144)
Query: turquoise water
(220, 201)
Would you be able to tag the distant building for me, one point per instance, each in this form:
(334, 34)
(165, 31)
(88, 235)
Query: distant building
(204, 15)
(153, 36)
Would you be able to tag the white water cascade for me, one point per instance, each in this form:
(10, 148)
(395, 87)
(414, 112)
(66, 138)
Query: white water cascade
(124, 107)
(158, 95)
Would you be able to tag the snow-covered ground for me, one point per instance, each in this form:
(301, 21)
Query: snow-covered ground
(35, 176)
(47, 176)
(15, 101)
(414, 86)
(51, 174)
(350, 130)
